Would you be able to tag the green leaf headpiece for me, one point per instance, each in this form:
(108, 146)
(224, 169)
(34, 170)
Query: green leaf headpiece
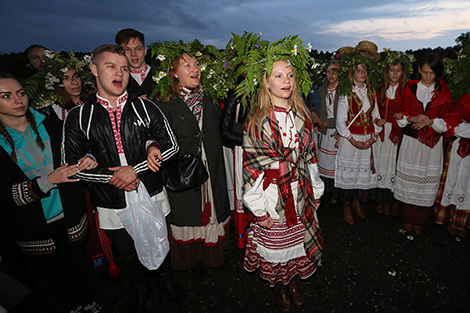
(212, 81)
(350, 61)
(40, 87)
(236, 53)
(397, 57)
(260, 61)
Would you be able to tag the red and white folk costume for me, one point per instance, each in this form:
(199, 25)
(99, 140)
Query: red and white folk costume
(420, 156)
(387, 143)
(282, 182)
(454, 206)
(355, 168)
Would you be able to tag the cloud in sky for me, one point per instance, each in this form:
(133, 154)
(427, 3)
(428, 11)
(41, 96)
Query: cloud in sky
(328, 25)
(407, 21)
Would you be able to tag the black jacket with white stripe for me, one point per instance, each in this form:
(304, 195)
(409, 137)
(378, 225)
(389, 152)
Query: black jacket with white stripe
(88, 129)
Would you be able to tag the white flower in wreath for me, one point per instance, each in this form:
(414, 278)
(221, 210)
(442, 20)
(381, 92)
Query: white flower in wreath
(294, 51)
(309, 47)
(209, 75)
(198, 54)
(215, 87)
(161, 57)
(49, 54)
(64, 70)
(156, 79)
(203, 67)
(255, 81)
(211, 71)
(161, 74)
(87, 58)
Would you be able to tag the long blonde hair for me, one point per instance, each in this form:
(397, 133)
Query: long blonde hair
(264, 105)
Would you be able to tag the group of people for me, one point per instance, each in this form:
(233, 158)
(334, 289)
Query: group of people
(387, 145)
(280, 155)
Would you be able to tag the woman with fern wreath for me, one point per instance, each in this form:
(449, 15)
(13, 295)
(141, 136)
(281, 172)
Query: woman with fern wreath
(282, 187)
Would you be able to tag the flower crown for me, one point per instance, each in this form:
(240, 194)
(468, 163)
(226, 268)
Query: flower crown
(350, 61)
(260, 61)
(40, 87)
(235, 55)
(211, 80)
(397, 57)
(317, 71)
(458, 73)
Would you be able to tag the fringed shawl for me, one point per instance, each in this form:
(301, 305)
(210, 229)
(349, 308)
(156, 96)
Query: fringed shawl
(258, 156)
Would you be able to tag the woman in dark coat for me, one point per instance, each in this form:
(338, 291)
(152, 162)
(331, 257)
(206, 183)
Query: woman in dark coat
(199, 217)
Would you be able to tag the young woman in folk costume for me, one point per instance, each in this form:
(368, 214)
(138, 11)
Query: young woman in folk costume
(397, 67)
(199, 217)
(420, 114)
(453, 201)
(328, 135)
(282, 185)
(355, 173)
(234, 115)
(42, 208)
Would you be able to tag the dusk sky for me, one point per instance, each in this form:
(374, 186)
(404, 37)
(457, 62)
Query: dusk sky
(327, 25)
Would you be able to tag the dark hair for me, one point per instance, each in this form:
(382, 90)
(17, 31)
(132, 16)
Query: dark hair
(31, 121)
(124, 35)
(67, 102)
(4, 75)
(434, 61)
(107, 48)
(28, 50)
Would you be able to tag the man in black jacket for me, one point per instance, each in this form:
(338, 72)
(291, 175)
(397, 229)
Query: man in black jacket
(115, 130)
(140, 79)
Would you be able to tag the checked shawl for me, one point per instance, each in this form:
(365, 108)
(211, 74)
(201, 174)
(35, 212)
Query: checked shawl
(258, 156)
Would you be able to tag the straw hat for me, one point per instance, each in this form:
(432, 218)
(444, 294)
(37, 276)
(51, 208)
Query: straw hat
(344, 49)
(370, 50)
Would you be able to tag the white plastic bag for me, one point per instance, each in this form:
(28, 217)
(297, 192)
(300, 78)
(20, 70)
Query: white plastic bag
(147, 226)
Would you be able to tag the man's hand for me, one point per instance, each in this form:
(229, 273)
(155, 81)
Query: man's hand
(133, 186)
(123, 176)
(154, 157)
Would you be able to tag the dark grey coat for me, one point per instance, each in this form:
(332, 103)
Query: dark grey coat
(186, 206)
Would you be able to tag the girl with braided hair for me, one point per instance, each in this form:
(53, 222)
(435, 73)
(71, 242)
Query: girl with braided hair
(282, 187)
(42, 208)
